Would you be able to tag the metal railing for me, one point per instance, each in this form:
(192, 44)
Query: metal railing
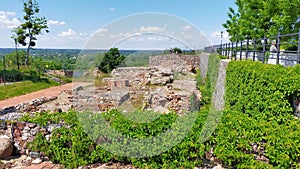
(287, 49)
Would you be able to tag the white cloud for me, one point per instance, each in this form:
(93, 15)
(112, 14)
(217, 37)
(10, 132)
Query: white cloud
(67, 33)
(112, 9)
(187, 28)
(55, 23)
(69, 39)
(70, 34)
(149, 36)
(8, 20)
(152, 29)
(101, 31)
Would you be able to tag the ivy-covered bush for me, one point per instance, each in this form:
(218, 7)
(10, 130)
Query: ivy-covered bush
(73, 147)
(258, 128)
(207, 84)
(253, 87)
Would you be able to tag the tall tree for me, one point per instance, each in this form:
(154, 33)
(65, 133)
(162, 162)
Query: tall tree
(111, 60)
(32, 26)
(257, 18)
(15, 38)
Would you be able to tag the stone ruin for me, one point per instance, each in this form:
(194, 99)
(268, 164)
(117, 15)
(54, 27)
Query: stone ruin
(168, 84)
(160, 88)
(177, 62)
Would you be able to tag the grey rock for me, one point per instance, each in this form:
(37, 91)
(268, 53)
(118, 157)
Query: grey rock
(37, 161)
(34, 155)
(6, 147)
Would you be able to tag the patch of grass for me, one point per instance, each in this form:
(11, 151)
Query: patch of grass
(24, 87)
(99, 79)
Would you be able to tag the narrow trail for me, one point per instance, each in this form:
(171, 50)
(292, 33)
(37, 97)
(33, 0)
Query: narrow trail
(50, 92)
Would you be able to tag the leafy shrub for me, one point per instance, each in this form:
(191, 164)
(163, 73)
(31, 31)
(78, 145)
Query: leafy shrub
(258, 129)
(207, 86)
(253, 87)
(72, 147)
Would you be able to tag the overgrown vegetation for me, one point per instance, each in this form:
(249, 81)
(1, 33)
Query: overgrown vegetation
(257, 129)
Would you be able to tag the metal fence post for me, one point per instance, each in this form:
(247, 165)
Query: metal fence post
(254, 49)
(241, 50)
(247, 48)
(226, 49)
(278, 48)
(264, 49)
(298, 51)
(236, 48)
(232, 49)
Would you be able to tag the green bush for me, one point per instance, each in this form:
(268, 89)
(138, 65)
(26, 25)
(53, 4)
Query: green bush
(72, 147)
(211, 78)
(259, 112)
(253, 87)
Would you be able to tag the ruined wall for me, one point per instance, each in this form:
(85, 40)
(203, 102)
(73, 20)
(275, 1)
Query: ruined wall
(143, 75)
(17, 111)
(204, 64)
(219, 93)
(21, 133)
(174, 61)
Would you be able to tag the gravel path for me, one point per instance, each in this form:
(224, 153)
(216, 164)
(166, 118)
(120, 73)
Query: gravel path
(50, 92)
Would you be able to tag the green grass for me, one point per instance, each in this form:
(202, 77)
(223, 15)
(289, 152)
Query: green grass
(25, 87)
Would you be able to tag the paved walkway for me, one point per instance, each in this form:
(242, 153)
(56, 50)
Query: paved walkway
(50, 92)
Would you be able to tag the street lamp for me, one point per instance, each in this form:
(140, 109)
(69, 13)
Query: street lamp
(221, 43)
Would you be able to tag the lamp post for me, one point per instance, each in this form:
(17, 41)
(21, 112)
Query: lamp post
(221, 43)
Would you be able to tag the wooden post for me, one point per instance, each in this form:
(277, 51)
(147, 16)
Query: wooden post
(4, 63)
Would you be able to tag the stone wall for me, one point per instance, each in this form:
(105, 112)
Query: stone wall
(60, 73)
(116, 83)
(141, 76)
(130, 72)
(219, 93)
(204, 64)
(17, 111)
(21, 133)
(175, 61)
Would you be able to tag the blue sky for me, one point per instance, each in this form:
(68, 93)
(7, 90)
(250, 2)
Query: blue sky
(73, 23)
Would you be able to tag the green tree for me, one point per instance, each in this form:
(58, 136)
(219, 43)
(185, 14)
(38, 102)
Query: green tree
(39, 65)
(17, 58)
(177, 50)
(111, 60)
(32, 26)
(259, 18)
(15, 38)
